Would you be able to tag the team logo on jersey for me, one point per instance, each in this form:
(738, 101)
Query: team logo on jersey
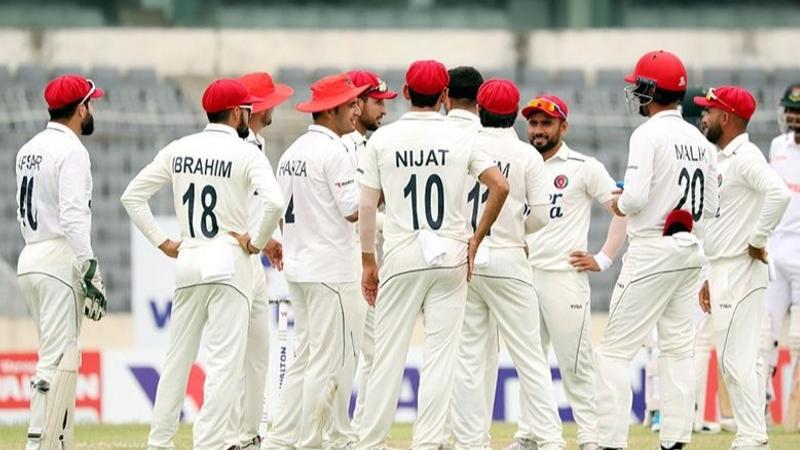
(561, 181)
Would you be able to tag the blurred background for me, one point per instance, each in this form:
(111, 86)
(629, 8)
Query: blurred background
(154, 58)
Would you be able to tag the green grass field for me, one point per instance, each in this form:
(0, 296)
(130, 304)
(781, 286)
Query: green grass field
(135, 436)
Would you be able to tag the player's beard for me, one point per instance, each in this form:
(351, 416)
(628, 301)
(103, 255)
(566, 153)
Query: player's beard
(87, 126)
(713, 133)
(242, 130)
(372, 125)
(548, 145)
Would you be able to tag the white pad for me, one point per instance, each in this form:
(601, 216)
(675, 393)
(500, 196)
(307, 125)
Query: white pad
(53, 406)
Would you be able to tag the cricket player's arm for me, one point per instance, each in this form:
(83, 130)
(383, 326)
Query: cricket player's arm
(74, 209)
(600, 186)
(261, 178)
(368, 175)
(763, 179)
(341, 178)
(482, 167)
(638, 175)
(136, 196)
(536, 195)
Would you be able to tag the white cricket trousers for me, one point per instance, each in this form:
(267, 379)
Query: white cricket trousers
(565, 305)
(408, 287)
(657, 287)
(218, 312)
(44, 272)
(322, 347)
(247, 413)
(504, 291)
(365, 361)
(783, 293)
(737, 288)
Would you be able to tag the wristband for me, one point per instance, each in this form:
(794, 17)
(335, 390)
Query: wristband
(603, 261)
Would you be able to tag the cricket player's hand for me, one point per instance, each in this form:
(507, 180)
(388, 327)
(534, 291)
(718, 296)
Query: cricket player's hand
(615, 206)
(757, 253)
(274, 251)
(91, 288)
(369, 278)
(244, 242)
(705, 298)
(170, 248)
(472, 250)
(583, 261)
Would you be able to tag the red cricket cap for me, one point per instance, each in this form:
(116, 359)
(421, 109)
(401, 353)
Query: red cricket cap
(499, 96)
(680, 218)
(732, 99)
(377, 88)
(68, 89)
(260, 84)
(551, 105)
(226, 93)
(427, 77)
(331, 92)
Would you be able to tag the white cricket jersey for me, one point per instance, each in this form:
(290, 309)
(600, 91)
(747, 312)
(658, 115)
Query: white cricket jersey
(464, 119)
(523, 167)
(671, 165)
(317, 178)
(752, 198)
(784, 157)
(354, 142)
(212, 175)
(253, 203)
(573, 181)
(54, 189)
(420, 162)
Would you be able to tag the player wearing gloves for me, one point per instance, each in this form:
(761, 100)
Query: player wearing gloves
(57, 270)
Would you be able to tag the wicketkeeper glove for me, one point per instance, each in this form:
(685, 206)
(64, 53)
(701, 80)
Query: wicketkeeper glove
(92, 289)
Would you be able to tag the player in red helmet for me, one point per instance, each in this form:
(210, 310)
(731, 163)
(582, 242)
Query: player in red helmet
(671, 168)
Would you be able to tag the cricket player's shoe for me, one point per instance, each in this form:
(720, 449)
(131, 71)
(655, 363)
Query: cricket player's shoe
(707, 428)
(764, 446)
(671, 445)
(727, 424)
(254, 443)
(588, 446)
(523, 444)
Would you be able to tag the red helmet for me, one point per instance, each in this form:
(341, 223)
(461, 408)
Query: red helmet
(662, 68)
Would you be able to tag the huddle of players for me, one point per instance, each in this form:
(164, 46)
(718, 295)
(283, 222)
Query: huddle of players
(523, 253)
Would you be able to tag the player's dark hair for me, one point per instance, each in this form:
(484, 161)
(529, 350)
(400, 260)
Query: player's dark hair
(219, 116)
(492, 120)
(423, 100)
(66, 111)
(464, 83)
(665, 97)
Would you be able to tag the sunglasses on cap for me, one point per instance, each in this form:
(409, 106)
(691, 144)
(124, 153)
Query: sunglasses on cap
(712, 96)
(92, 89)
(547, 105)
(381, 87)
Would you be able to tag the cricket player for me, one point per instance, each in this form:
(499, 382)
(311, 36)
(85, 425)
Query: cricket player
(419, 163)
(249, 411)
(317, 178)
(372, 104)
(752, 199)
(670, 174)
(210, 173)
(502, 291)
(462, 98)
(57, 271)
(559, 258)
(784, 292)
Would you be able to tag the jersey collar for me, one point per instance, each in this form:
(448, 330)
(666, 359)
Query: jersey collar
(422, 115)
(324, 130)
(221, 128)
(55, 126)
(667, 113)
(735, 144)
(357, 137)
(463, 114)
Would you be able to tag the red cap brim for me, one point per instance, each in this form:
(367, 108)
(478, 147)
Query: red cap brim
(630, 78)
(388, 95)
(324, 104)
(704, 102)
(98, 93)
(528, 110)
(281, 94)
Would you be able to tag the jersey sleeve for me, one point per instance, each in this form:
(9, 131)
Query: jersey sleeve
(261, 179)
(139, 191)
(478, 160)
(368, 172)
(74, 199)
(599, 183)
(761, 178)
(638, 173)
(341, 178)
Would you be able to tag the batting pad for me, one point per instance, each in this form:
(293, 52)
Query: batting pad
(60, 404)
